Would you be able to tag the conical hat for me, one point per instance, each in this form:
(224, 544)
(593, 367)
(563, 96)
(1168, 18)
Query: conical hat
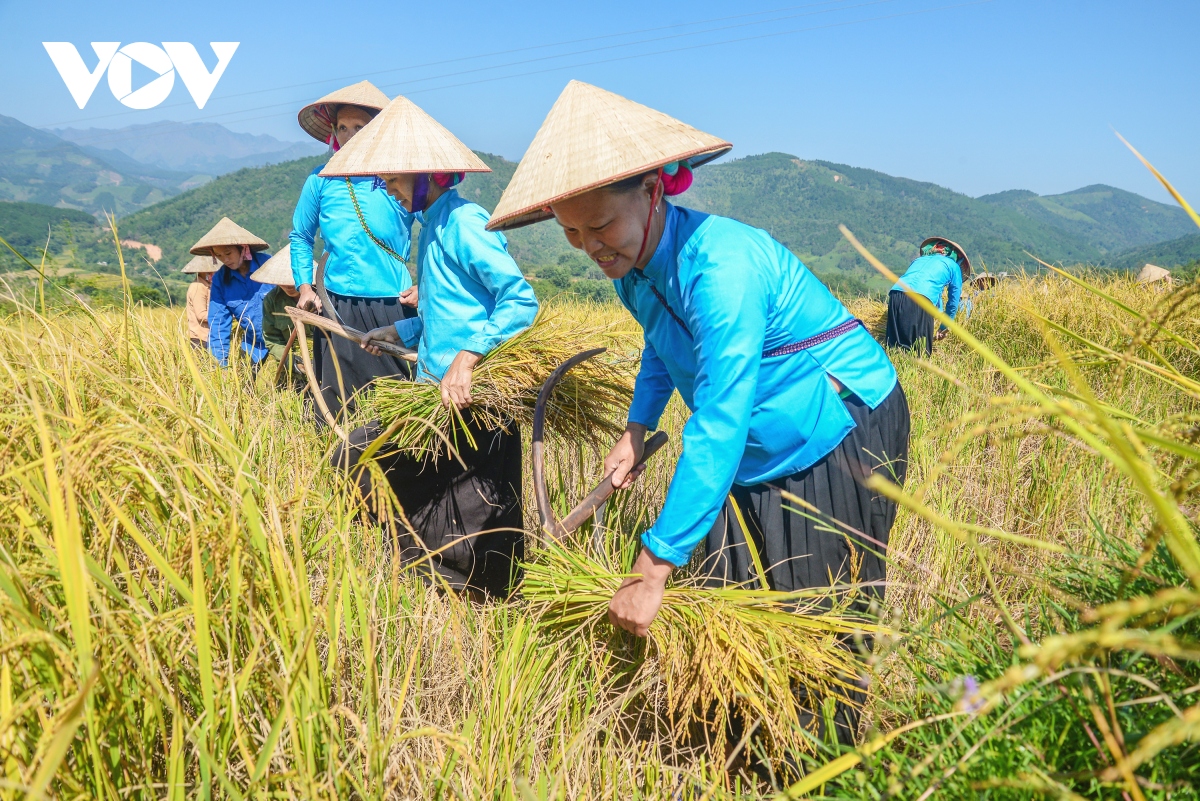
(227, 232)
(363, 93)
(592, 138)
(1152, 273)
(966, 261)
(202, 264)
(403, 138)
(277, 269)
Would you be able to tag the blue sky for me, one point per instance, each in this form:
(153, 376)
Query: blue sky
(976, 96)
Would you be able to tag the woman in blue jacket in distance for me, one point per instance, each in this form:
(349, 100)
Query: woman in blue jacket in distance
(473, 298)
(233, 297)
(939, 270)
(787, 390)
(366, 237)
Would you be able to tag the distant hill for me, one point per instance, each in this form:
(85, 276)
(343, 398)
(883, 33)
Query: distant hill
(1111, 219)
(193, 147)
(39, 167)
(799, 202)
(263, 199)
(802, 202)
(260, 199)
(26, 225)
(1176, 253)
(81, 258)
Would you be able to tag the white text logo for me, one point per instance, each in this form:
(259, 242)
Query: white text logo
(165, 61)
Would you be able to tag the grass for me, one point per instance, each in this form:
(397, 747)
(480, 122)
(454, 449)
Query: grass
(189, 607)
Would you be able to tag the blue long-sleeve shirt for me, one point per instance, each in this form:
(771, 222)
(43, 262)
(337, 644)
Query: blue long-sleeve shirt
(235, 297)
(930, 276)
(754, 419)
(472, 294)
(356, 265)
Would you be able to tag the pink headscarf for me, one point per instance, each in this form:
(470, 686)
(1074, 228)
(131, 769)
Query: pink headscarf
(322, 112)
(676, 178)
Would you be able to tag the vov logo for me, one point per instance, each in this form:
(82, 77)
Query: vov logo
(172, 57)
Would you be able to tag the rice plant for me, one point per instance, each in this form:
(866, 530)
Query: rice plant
(718, 651)
(1092, 685)
(588, 406)
(190, 606)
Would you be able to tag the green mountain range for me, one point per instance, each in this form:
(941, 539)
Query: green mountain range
(1112, 219)
(799, 202)
(26, 226)
(39, 167)
(1172, 254)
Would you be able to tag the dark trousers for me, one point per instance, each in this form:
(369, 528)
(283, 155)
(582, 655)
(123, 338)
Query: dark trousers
(798, 552)
(342, 367)
(470, 516)
(908, 325)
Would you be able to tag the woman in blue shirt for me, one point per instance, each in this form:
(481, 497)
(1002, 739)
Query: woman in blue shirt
(473, 297)
(366, 236)
(787, 391)
(940, 269)
(233, 296)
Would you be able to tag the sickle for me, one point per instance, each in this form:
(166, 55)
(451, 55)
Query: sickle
(287, 349)
(550, 522)
(299, 315)
(319, 287)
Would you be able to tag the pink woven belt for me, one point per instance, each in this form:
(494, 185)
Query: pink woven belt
(813, 341)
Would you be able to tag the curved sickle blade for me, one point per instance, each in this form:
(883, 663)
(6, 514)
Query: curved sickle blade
(550, 522)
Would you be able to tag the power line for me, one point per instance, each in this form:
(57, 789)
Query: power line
(631, 56)
(361, 75)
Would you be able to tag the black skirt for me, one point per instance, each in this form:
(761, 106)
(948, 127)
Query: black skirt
(798, 552)
(356, 367)
(908, 325)
(472, 517)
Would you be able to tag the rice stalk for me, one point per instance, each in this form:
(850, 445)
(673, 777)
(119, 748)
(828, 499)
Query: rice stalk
(721, 653)
(588, 405)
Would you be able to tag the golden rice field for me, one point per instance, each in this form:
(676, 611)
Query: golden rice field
(191, 608)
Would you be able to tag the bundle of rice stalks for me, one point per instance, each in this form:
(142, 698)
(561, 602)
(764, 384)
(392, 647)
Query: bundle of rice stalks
(720, 652)
(872, 312)
(589, 404)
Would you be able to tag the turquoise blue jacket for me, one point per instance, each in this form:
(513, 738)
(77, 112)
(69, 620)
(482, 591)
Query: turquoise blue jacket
(235, 297)
(754, 418)
(356, 266)
(930, 276)
(472, 294)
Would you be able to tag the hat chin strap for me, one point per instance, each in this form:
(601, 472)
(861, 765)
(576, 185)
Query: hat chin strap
(654, 198)
(420, 192)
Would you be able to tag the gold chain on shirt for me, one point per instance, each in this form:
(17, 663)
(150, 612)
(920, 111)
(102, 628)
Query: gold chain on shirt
(363, 222)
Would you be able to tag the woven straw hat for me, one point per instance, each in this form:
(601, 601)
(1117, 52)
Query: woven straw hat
(403, 138)
(227, 232)
(363, 93)
(593, 138)
(277, 269)
(202, 264)
(1152, 273)
(966, 261)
